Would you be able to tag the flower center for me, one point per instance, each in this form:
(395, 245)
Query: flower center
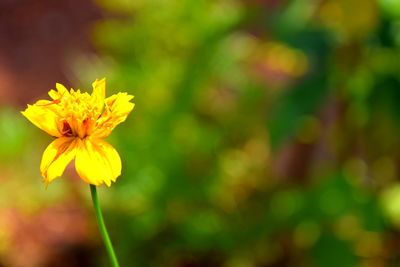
(79, 112)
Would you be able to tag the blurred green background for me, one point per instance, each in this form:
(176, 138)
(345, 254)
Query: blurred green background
(265, 132)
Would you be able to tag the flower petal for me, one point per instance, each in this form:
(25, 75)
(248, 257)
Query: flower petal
(56, 157)
(43, 114)
(61, 91)
(117, 108)
(99, 93)
(97, 162)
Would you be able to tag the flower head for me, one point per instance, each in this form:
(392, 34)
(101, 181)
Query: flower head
(80, 121)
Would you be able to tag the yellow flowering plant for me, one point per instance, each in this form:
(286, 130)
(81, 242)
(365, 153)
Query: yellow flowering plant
(80, 121)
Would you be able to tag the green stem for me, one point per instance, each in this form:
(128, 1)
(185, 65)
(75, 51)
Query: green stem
(102, 227)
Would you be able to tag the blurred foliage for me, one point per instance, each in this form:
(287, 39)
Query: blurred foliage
(265, 133)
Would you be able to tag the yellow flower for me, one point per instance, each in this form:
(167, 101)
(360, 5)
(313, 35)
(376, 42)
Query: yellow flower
(79, 122)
